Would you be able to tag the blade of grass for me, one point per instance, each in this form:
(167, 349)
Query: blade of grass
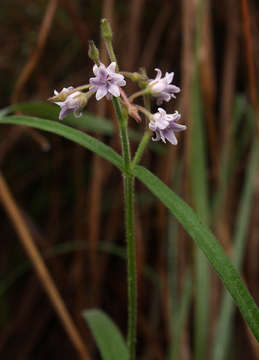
(224, 327)
(185, 215)
(69, 133)
(107, 335)
(88, 121)
(206, 241)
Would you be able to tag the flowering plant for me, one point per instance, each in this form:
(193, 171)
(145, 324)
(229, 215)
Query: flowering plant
(108, 82)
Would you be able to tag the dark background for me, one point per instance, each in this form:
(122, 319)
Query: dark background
(71, 201)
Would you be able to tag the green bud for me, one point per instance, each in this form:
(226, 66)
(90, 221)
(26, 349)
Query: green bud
(61, 96)
(106, 30)
(93, 52)
(143, 79)
(133, 76)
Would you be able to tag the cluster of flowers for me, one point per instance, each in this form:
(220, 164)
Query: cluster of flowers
(108, 82)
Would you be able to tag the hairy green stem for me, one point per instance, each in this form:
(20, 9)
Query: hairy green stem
(131, 262)
(142, 145)
(122, 120)
(111, 53)
(139, 93)
(129, 223)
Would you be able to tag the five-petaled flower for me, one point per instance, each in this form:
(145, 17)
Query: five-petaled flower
(164, 126)
(161, 88)
(106, 81)
(73, 102)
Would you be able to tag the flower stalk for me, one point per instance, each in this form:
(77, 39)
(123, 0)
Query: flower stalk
(128, 181)
(142, 145)
(107, 36)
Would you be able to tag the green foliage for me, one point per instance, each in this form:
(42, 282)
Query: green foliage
(67, 132)
(88, 121)
(107, 335)
(223, 332)
(185, 215)
(207, 243)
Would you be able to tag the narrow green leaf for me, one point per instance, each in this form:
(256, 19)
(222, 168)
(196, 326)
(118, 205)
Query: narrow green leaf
(224, 327)
(50, 111)
(68, 132)
(207, 243)
(88, 121)
(107, 335)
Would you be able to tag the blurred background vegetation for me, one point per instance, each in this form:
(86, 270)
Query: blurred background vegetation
(71, 200)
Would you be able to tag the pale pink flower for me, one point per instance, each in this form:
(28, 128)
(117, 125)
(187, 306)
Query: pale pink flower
(161, 88)
(164, 126)
(73, 102)
(107, 81)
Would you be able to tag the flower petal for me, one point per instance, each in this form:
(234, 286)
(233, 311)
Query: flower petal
(114, 90)
(159, 74)
(170, 136)
(64, 112)
(179, 127)
(95, 70)
(101, 92)
(169, 77)
(112, 67)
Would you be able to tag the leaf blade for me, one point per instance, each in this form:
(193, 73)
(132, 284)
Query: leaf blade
(107, 335)
(207, 243)
(69, 133)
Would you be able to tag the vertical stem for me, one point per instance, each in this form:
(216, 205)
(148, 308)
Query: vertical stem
(122, 120)
(129, 223)
(131, 262)
(128, 182)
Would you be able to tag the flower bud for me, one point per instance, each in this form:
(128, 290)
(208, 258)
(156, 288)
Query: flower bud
(106, 29)
(62, 95)
(93, 52)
